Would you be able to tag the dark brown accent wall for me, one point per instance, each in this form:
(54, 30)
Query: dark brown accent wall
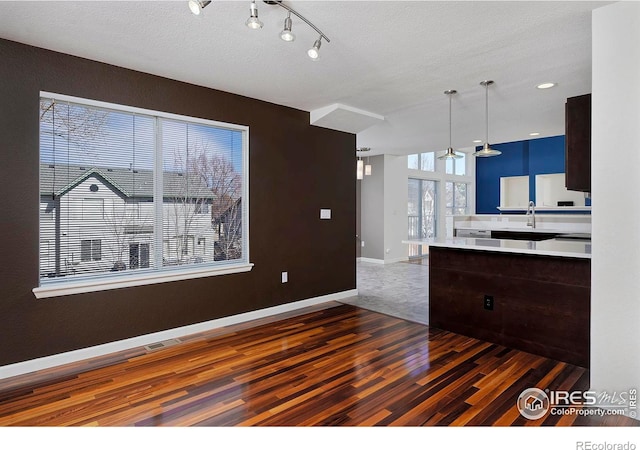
(295, 169)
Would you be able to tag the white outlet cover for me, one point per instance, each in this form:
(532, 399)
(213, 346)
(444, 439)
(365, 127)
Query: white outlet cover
(285, 277)
(325, 214)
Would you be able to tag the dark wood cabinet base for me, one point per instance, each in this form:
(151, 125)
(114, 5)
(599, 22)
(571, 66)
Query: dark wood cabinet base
(541, 304)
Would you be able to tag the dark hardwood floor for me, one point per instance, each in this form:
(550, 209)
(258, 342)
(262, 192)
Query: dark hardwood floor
(337, 365)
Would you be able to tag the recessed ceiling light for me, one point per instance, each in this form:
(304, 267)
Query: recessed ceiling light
(546, 85)
(535, 133)
(477, 141)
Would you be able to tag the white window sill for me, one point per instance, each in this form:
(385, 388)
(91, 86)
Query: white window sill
(60, 288)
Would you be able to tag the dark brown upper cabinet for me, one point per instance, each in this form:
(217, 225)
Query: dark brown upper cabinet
(578, 143)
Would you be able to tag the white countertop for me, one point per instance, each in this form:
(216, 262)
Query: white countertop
(502, 227)
(550, 247)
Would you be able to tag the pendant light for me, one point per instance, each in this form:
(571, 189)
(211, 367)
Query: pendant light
(486, 149)
(450, 154)
(361, 168)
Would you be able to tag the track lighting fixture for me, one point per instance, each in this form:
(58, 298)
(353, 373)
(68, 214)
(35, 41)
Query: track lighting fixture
(286, 34)
(253, 22)
(196, 6)
(314, 52)
(450, 154)
(486, 148)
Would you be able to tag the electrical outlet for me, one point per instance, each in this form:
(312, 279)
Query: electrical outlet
(362, 243)
(285, 277)
(488, 302)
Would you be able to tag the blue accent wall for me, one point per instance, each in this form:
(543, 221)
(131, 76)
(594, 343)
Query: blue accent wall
(531, 157)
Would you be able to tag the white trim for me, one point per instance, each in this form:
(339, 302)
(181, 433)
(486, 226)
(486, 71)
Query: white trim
(371, 260)
(47, 362)
(395, 260)
(57, 289)
(383, 261)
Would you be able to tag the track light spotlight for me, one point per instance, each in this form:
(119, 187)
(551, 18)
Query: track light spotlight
(253, 22)
(314, 52)
(286, 34)
(196, 6)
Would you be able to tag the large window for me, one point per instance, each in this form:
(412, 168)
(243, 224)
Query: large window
(127, 193)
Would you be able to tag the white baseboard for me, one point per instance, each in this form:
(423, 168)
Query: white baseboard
(382, 261)
(47, 362)
(371, 260)
(395, 260)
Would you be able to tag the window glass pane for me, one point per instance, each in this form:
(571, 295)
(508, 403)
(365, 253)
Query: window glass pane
(448, 166)
(428, 208)
(413, 162)
(427, 161)
(461, 164)
(414, 209)
(202, 166)
(449, 194)
(421, 209)
(94, 164)
(461, 195)
(96, 249)
(456, 197)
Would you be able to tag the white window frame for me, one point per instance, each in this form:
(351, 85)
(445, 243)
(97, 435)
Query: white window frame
(444, 223)
(102, 282)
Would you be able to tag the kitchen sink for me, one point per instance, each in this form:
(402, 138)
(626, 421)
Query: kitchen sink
(522, 235)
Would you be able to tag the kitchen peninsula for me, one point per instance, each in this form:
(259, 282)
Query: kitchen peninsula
(524, 294)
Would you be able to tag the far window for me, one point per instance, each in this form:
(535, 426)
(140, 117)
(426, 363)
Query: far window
(421, 212)
(456, 166)
(91, 250)
(456, 194)
(422, 161)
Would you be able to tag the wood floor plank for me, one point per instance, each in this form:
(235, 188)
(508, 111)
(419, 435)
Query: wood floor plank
(335, 365)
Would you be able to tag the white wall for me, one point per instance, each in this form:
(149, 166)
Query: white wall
(372, 210)
(615, 279)
(395, 207)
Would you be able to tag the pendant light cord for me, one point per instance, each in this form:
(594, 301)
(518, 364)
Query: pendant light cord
(450, 121)
(486, 105)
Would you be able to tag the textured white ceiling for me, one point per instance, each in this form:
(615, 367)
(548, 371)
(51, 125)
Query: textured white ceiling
(390, 58)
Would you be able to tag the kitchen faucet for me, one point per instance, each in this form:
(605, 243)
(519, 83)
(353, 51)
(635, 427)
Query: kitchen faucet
(531, 215)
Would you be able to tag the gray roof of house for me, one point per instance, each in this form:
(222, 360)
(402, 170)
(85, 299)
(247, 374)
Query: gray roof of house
(59, 179)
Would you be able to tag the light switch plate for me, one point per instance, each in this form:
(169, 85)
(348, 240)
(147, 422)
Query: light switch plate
(285, 277)
(325, 214)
